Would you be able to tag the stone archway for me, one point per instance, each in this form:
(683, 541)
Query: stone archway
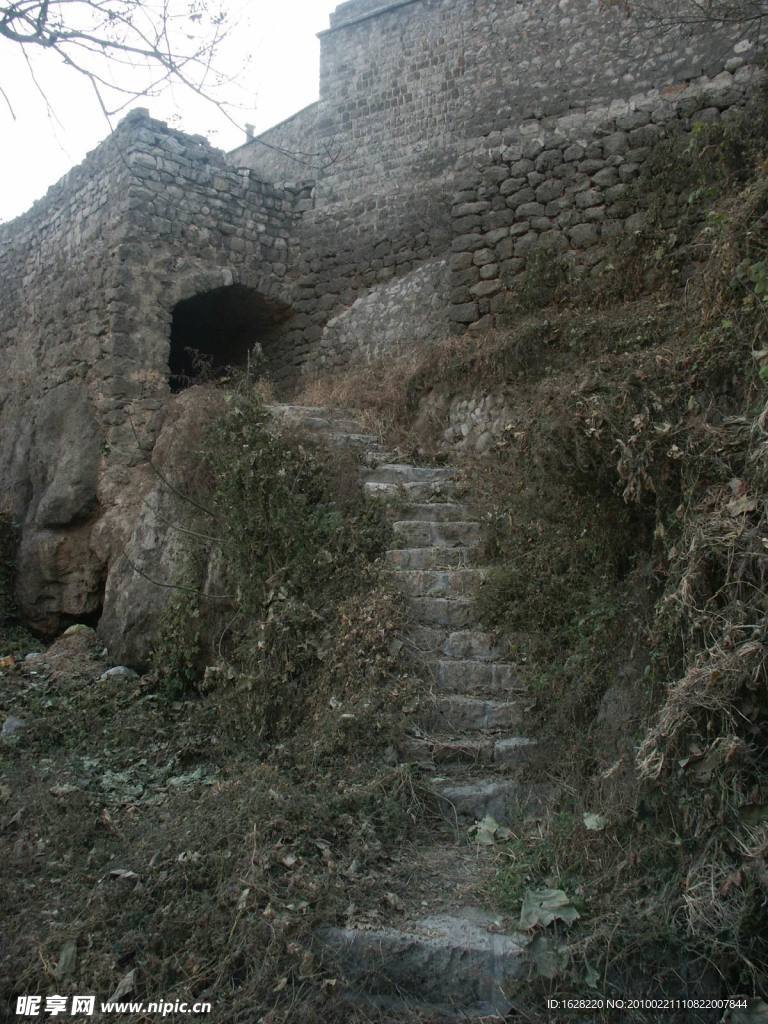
(215, 330)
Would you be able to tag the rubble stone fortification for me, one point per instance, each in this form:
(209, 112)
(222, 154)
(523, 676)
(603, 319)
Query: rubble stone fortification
(451, 140)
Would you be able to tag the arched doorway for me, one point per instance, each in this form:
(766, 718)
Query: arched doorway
(214, 331)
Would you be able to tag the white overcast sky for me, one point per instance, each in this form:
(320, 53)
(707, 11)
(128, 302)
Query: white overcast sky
(274, 44)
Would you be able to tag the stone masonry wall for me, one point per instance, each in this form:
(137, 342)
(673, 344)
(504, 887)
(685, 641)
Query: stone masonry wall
(419, 99)
(561, 185)
(287, 152)
(89, 278)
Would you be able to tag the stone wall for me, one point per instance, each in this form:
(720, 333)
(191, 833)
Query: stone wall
(287, 152)
(398, 316)
(89, 279)
(561, 185)
(424, 103)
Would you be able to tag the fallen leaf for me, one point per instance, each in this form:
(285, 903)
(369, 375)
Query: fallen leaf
(595, 822)
(543, 906)
(488, 831)
(65, 789)
(126, 986)
(549, 957)
(739, 506)
(67, 960)
(123, 874)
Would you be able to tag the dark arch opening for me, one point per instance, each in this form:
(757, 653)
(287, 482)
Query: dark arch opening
(215, 331)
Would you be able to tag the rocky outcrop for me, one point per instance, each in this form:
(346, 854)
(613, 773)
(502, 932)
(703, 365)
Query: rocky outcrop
(148, 533)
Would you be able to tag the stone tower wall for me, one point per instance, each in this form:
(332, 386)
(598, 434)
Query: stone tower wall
(89, 278)
(423, 106)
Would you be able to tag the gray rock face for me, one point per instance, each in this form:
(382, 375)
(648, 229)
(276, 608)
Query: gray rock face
(455, 963)
(137, 586)
(12, 726)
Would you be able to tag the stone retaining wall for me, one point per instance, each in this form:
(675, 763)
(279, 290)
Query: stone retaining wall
(562, 185)
(479, 101)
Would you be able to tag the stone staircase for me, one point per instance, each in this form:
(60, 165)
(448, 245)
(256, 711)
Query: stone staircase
(456, 960)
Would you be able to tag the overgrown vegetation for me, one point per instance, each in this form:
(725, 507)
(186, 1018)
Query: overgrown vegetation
(282, 595)
(193, 828)
(628, 511)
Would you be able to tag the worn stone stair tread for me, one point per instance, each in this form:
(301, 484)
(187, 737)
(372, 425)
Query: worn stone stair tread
(459, 962)
(396, 472)
(316, 418)
(432, 512)
(442, 611)
(343, 439)
(423, 491)
(472, 748)
(457, 712)
(446, 583)
(403, 559)
(495, 678)
(507, 799)
(417, 534)
(324, 411)
(461, 644)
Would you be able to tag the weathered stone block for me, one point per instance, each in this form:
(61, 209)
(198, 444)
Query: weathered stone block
(587, 198)
(483, 289)
(530, 210)
(549, 190)
(583, 235)
(467, 209)
(498, 219)
(548, 159)
(526, 244)
(471, 275)
(483, 256)
(467, 243)
(573, 152)
(463, 313)
(513, 186)
(607, 177)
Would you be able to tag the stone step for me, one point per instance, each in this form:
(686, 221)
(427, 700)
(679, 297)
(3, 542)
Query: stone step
(342, 439)
(430, 558)
(380, 456)
(316, 418)
(396, 472)
(457, 713)
(441, 611)
(446, 749)
(432, 512)
(464, 644)
(439, 582)
(508, 800)
(512, 751)
(426, 490)
(455, 966)
(410, 534)
(458, 675)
